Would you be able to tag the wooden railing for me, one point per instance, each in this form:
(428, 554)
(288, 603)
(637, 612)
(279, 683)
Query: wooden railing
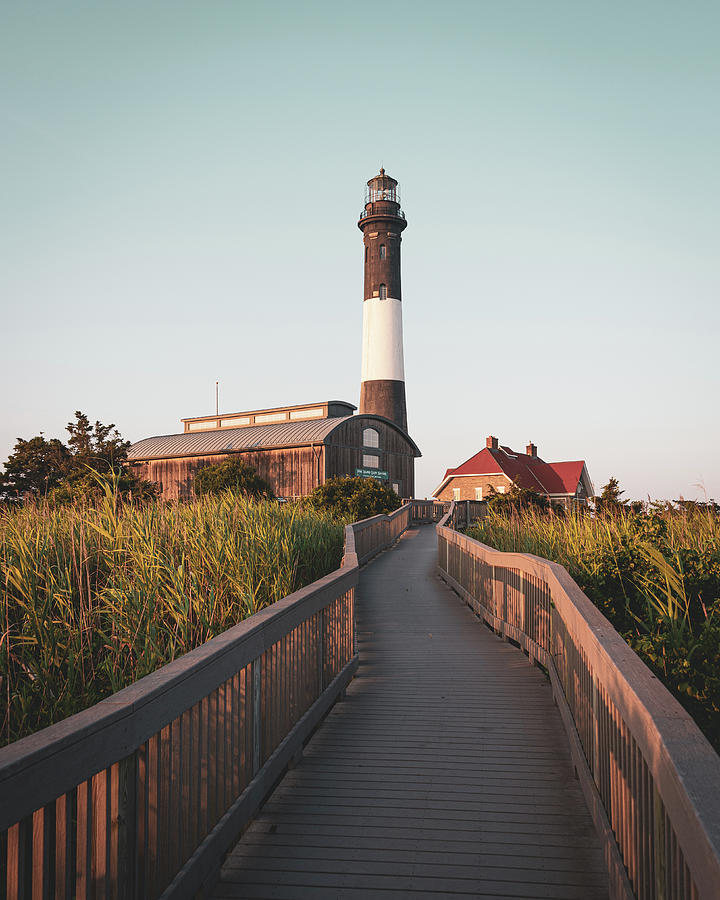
(140, 795)
(426, 511)
(465, 512)
(651, 780)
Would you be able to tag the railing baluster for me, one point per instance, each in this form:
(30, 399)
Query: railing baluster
(84, 822)
(256, 714)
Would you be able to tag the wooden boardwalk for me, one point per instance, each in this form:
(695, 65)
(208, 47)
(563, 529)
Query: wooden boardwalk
(444, 773)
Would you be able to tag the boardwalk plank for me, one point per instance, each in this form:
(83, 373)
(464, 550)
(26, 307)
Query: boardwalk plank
(498, 868)
(445, 772)
(457, 861)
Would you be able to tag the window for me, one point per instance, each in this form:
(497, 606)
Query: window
(370, 461)
(501, 488)
(456, 493)
(315, 413)
(396, 488)
(371, 437)
(366, 253)
(235, 421)
(478, 493)
(270, 417)
(383, 292)
(382, 251)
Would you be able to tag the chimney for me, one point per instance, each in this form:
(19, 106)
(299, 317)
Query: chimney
(531, 449)
(491, 443)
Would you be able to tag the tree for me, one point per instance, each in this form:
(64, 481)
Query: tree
(354, 498)
(35, 467)
(50, 468)
(232, 474)
(99, 446)
(610, 499)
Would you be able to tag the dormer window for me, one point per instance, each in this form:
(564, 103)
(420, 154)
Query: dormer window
(383, 292)
(371, 438)
(382, 251)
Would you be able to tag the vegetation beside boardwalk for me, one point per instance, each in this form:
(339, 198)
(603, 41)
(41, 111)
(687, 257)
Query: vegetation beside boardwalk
(97, 594)
(353, 498)
(654, 571)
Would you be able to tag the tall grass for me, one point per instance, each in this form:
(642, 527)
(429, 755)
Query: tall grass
(655, 575)
(97, 596)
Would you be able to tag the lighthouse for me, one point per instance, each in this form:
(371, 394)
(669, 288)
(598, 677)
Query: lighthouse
(382, 389)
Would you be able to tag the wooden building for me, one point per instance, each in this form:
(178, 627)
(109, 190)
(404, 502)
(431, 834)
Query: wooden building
(496, 469)
(294, 448)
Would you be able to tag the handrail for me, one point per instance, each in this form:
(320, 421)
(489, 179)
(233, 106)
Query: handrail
(651, 779)
(141, 794)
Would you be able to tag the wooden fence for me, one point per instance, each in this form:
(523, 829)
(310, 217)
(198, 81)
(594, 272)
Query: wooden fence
(651, 779)
(465, 512)
(426, 511)
(141, 795)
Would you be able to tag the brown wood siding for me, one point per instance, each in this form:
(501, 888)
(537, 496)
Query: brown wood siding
(296, 471)
(290, 471)
(344, 452)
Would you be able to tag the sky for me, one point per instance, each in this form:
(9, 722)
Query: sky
(181, 183)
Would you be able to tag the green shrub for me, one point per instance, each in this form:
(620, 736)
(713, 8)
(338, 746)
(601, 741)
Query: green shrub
(232, 474)
(518, 499)
(352, 498)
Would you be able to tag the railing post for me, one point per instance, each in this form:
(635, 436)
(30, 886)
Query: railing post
(596, 734)
(126, 826)
(257, 713)
(353, 614)
(659, 846)
(321, 653)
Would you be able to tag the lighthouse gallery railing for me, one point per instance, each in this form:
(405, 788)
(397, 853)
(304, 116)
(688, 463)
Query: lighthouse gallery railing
(650, 778)
(140, 795)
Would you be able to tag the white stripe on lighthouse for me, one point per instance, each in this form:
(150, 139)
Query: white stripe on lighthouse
(382, 353)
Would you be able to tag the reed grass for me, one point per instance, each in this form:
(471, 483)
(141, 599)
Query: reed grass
(654, 574)
(96, 596)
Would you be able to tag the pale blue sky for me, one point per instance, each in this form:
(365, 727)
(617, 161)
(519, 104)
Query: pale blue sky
(180, 190)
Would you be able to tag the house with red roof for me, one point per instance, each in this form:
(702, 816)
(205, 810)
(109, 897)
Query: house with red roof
(497, 468)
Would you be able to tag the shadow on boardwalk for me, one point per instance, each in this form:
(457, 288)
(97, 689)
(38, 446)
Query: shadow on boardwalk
(445, 771)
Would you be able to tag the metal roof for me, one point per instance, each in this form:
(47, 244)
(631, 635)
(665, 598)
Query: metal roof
(284, 434)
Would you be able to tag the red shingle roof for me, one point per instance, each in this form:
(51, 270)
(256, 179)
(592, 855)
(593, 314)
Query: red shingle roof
(525, 471)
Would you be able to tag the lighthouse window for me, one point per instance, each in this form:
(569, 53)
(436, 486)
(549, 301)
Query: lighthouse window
(382, 251)
(371, 438)
(366, 253)
(383, 292)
